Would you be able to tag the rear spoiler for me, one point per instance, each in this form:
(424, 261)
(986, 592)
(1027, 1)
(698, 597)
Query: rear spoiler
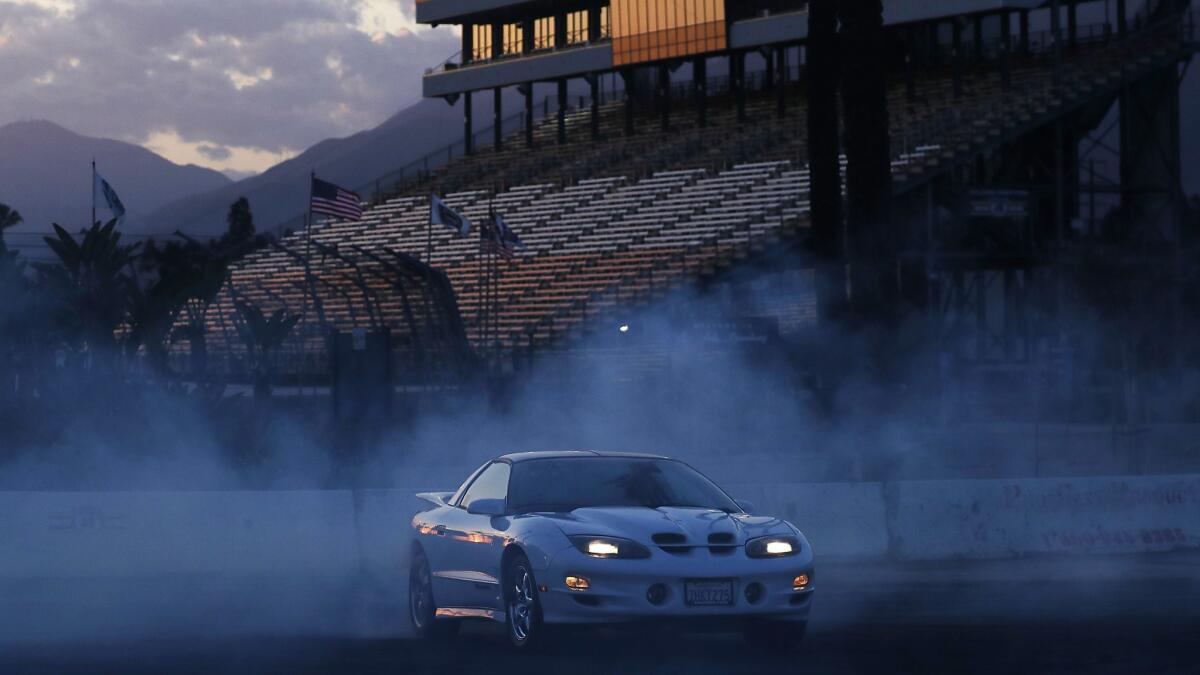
(436, 498)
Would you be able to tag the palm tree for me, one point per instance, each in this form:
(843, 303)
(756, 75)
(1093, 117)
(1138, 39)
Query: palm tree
(91, 280)
(205, 283)
(263, 335)
(8, 218)
(152, 313)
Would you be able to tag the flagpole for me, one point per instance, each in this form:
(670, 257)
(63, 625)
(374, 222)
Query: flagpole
(308, 219)
(493, 251)
(308, 278)
(429, 236)
(479, 286)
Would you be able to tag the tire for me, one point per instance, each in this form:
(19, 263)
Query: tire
(422, 608)
(523, 608)
(775, 636)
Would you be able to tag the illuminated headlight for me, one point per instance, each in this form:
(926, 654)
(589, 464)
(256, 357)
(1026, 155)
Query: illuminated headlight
(610, 547)
(772, 547)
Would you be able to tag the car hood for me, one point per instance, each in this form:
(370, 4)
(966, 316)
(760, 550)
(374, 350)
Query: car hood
(641, 524)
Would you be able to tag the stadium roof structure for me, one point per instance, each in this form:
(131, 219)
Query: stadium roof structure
(514, 52)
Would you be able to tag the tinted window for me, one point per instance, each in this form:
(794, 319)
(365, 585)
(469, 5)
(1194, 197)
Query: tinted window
(566, 484)
(491, 484)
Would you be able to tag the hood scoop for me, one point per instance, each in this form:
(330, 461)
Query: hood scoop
(671, 542)
(719, 543)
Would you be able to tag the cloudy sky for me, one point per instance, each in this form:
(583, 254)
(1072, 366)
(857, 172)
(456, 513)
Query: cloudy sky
(236, 85)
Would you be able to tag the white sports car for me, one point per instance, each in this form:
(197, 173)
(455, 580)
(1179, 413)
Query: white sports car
(538, 539)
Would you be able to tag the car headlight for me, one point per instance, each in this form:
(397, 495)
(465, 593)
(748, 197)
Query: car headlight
(772, 547)
(609, 547)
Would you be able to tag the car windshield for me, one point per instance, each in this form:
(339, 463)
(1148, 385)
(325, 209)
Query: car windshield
(566, 484)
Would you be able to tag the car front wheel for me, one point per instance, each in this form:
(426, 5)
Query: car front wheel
(524, 612)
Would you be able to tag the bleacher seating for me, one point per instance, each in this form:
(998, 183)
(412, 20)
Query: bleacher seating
(623, 220)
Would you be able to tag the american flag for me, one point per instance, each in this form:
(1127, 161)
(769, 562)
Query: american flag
(498, 237)
(331, 200)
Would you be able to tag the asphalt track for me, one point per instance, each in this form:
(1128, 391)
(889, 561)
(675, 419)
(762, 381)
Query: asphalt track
(1110, 615)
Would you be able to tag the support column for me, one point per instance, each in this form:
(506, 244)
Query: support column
(1072, 25)
(1056, 40)
(664, 96)
(828, 237)
(957, 54)
(781, 81)
(1005, 50)
(562, 111)
(935, 49)
(769, 74)
(1024, 28)
(977, 36)
(737, 72)
(468, 125)
(629, 76)
(498, 119)
(595, 83)
(910, 67)
(873, 243)
(529, 115)
(700, 89)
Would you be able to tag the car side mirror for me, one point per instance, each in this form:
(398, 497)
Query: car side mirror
(746, 506)
(487, 507)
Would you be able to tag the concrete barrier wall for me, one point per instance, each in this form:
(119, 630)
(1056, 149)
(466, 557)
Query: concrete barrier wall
(184, 533)
(932, 520)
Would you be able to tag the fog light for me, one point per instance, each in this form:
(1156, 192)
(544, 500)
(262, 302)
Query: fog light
(800, 582)
(754, 593)
(657, 594)
(577, 583)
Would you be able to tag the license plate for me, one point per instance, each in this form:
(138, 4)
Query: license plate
(708, 592)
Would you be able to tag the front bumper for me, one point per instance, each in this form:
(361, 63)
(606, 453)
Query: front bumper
(618, 588)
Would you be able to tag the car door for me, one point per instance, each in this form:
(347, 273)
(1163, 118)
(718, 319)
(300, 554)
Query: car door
(473, 546)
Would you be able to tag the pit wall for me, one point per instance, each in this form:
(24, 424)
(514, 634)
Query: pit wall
(364, 534)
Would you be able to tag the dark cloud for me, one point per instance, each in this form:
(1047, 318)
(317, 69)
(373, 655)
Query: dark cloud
(269, 74)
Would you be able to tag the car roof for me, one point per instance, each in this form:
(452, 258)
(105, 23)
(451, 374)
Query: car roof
(572, 454)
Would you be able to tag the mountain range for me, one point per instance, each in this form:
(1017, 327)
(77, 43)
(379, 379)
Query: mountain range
(46, 175)
(45, 172)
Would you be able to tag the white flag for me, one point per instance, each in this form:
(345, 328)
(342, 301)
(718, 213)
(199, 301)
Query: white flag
(440, 214)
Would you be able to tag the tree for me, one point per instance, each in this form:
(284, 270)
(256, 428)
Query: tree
(241, 224)
(262, 336)
(91, 283)
(152, 312)
(8, 218)
(206, 281)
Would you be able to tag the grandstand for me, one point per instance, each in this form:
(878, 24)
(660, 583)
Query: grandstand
(614, 219)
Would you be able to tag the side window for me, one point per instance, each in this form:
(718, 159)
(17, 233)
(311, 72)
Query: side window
(458, 494)
(491, 484)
